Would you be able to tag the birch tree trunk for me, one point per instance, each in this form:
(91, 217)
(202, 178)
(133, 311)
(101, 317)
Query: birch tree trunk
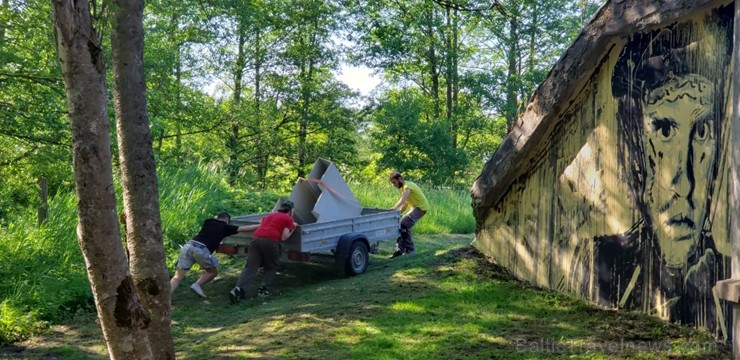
(140, 196)
(121, 316)
(4, 4)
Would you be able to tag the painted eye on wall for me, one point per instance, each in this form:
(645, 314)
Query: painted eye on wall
(665, 129)
(702, 130)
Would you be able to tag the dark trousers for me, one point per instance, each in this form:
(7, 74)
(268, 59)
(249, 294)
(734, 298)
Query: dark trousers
(405, 243)
(262, 253)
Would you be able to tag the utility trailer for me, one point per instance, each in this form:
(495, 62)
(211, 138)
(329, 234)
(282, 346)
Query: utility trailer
(330, 223)
(347, 240)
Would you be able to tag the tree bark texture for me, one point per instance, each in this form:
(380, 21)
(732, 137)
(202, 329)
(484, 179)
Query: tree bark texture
(121, 316)
(140, 195)
(4, 4)
(43, 211)
(511, 92)
(232, 142)
(432, 58)
(307, 86)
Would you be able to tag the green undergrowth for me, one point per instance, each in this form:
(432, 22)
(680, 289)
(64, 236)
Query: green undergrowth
(443, 302)
(450, 211)
(42, 271)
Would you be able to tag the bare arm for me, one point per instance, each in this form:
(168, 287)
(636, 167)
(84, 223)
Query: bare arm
(246, 228)
(401, 203)
(326, 186)
(287, 232)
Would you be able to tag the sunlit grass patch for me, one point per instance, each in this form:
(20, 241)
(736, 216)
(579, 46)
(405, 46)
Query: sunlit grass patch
(445, 302)
(407, 307)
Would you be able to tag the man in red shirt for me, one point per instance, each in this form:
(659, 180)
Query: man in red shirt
(264, 251)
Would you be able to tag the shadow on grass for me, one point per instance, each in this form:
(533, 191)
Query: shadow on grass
(444, 302)
(80, 340)
(441, 303)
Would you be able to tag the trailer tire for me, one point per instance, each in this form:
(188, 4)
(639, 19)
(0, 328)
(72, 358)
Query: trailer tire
(357, 258)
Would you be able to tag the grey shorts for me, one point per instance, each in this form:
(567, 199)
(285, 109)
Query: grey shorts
(195, 254)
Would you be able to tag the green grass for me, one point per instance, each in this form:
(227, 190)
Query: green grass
(39, 260)
(189, 196)
(444, 302)
(36, 261)
(450, 211)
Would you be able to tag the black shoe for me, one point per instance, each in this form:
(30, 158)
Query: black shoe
(374, 248)
(235, 295)
(263, 292)
(396, 254)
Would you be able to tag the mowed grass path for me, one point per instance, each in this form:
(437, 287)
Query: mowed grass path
(444, 302)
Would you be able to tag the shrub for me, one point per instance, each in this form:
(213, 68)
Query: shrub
(36, 261)
(16, 324)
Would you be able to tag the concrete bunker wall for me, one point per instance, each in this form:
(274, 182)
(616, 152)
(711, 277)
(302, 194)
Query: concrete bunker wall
(625, 201)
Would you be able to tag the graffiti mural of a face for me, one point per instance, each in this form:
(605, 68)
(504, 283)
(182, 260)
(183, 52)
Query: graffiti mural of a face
(670, 90)
(679, 153)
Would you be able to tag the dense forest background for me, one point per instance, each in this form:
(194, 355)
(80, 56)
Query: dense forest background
(250, 89)
(244, 95)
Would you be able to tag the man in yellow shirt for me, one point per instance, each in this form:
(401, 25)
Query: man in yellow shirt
(413, 198)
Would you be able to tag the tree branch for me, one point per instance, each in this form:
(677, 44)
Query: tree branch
(454, 5)
(38, 79)
(55, 84)
(33, 139)
(19, 157)
(214, 127)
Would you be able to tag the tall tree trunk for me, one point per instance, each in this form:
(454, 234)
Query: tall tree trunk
(122, 318)
(4, 4)
(448, 64)
(432, 60)
(160, 139)
(178, 98)
(533, 38)
(451, 44)
(262, 157)
(174, 28)
(303, 122)
(233, 139)
(140, 196)
(583, 4)
(455, 76)
(43, 212)
(513, 74)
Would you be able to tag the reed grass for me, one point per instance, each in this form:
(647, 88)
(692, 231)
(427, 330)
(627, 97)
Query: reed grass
(42, 271)
(450, 211)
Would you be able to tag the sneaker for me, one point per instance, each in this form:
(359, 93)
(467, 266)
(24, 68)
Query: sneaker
(195, 287)
(263, 292)
(235, 295)
(396, 254)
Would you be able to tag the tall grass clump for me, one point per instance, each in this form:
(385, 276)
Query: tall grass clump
(450, 211)
(188, 196)
(42, 272)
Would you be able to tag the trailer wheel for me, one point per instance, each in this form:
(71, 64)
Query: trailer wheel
(357, 258)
